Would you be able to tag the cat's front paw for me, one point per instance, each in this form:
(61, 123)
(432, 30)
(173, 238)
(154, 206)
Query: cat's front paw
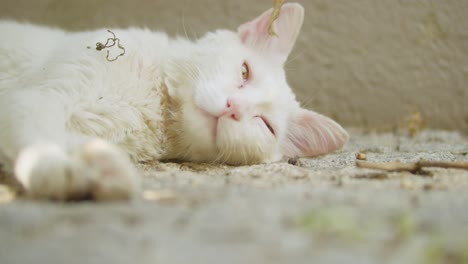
(95, 170)
(113, 175)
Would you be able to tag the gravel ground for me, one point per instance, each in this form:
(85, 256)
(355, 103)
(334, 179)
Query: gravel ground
(321, 210)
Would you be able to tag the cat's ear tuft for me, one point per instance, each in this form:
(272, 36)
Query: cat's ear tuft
(311, 134)
(287, 26)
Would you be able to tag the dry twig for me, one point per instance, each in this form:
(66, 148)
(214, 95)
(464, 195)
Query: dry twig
(416, 167)
(110, 43)
(274, 16)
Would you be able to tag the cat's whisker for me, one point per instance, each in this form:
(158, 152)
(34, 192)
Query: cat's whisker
(308, 100)
(296, 56)
(183, 26)
(193, 33)
(291, 69)
(187, 70)
(225, 156)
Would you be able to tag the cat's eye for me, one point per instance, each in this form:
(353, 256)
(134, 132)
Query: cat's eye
(267, 124)
(245, 71)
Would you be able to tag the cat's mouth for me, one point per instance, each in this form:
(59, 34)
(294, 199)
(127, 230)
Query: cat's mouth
(215, 120)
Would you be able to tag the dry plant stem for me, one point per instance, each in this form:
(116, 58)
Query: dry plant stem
(110, 43)
(444, 164)
(274, 16)
(411, 167)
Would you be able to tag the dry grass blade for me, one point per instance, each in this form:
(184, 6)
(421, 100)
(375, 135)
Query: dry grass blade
(276, 13)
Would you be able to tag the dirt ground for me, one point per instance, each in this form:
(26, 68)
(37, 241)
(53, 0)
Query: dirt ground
(321, 210)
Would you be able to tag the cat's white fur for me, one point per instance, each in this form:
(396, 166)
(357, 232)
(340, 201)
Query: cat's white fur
(69, 119)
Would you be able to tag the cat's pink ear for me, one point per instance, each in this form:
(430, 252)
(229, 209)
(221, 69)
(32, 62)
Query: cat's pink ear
(256, 32)
(311, 134)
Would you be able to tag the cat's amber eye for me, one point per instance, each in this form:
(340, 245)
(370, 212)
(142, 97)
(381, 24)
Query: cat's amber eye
(245, 71)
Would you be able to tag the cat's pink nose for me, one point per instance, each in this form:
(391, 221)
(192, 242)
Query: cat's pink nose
(233, 109)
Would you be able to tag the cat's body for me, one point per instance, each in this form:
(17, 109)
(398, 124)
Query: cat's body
(64, 107)
(118, 101)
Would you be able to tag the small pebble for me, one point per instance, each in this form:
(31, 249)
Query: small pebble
(292, 161)
(361, 156)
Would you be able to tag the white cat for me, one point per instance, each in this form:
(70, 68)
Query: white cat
(68, 115)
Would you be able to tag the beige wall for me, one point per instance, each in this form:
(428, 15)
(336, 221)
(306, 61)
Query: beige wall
(366, 63)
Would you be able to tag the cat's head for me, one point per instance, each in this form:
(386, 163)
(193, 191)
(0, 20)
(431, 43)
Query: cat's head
(235, 103)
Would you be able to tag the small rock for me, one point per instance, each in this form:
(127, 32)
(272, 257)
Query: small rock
(292, 161)
(361, 156)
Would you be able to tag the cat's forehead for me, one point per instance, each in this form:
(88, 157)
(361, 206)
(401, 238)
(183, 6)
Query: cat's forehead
(225, 43)
(225, 47)
(225, 54)
(220, 36)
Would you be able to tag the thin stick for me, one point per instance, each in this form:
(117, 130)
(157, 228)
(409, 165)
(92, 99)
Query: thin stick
(389, 166)
(444, 164)
(411, 167)
(274, 15)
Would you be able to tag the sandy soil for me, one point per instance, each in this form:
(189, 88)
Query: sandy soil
(321, 210)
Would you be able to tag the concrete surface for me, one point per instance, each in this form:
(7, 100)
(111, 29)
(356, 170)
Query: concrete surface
(365, 63)
(323, 210)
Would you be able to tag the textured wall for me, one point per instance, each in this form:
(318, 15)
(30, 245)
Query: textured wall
(366, 63)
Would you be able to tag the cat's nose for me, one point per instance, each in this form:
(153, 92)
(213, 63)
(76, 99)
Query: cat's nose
(233, 109)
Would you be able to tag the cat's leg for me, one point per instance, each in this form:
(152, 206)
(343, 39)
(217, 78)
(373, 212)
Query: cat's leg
(52, 163)
(94, 169)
